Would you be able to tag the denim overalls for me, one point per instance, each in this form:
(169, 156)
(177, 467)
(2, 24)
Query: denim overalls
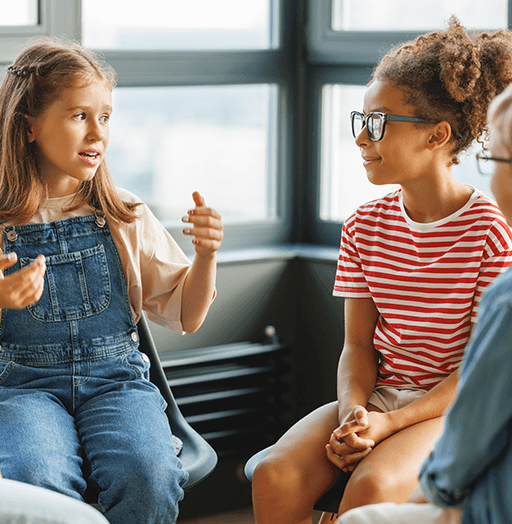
(74, 385)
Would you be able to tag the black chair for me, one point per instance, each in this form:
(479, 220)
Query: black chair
(197, 456)
(328, 502)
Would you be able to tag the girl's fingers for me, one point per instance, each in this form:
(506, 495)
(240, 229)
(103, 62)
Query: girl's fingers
(29, 281)
(336, 459)
(350, 430)
(203, 211)
(356, 442)
(347, 462)
(198, 199)
(7, 261)
(355, 458)
(205, 226)
(361, 415)
(204, 233)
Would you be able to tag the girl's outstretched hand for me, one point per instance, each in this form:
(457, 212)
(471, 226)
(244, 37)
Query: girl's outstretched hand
(206, 227)
(23, 288)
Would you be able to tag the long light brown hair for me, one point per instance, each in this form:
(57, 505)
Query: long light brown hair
(36, 79)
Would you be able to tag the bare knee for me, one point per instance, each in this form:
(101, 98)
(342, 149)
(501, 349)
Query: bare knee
(371, 486)
(277, 475)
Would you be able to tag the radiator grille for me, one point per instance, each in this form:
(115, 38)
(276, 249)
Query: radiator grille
(237, 396)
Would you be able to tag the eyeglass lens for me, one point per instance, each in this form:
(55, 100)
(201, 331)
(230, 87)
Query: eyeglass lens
(485, 165)
(374, 125)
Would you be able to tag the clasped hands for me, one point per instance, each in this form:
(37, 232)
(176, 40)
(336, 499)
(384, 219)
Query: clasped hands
(360, 432)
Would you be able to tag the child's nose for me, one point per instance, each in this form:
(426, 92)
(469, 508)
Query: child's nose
(96, 131)
(362, 138)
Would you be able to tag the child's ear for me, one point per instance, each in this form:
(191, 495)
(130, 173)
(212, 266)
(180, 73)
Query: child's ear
(441, 135)
(30, 129)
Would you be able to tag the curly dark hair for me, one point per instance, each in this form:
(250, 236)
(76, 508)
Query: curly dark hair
(452, 75)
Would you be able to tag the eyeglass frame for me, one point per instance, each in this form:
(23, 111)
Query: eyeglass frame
(482, 156)
(385, 118)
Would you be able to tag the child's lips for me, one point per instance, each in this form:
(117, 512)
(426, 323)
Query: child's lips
(369, 160)
(90, 156)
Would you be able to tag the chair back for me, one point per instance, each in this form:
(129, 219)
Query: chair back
(197, 456)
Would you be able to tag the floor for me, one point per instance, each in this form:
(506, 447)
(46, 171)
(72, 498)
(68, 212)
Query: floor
(235, 517)
(243, 516)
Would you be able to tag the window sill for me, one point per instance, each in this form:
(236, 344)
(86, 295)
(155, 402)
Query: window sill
(279, 252)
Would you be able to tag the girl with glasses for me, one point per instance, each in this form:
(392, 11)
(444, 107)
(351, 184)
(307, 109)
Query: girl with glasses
(471, 480)
(412, 267)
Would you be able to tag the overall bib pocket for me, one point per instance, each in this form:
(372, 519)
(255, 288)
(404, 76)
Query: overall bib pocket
(77, 285)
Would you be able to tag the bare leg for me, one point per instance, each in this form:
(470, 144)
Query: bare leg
(390, 472)
(296, 472)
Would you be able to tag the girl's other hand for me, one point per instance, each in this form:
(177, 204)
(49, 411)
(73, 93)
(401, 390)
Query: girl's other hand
(206, 227)
(23, 288)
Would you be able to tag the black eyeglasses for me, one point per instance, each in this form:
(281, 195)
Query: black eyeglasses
(485, 163)
(375, 123)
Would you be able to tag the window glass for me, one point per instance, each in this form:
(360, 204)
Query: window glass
(167, 142)
(403, 15)
(173, 25)
(19, 12)
(344, 185)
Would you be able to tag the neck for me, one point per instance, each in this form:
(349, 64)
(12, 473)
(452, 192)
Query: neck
(431, 201)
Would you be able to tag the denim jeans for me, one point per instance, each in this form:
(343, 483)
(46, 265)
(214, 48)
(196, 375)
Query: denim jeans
(74, 387)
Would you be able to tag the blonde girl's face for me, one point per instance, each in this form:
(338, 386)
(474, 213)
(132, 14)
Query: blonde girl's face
(501, 183)
(71, 137)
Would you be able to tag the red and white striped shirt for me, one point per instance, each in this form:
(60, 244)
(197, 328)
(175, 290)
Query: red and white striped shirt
(426, 281)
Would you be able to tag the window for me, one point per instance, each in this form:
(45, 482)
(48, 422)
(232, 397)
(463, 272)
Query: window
(167, 142)
(19, 13)
(202, 103)
(397, 15)
(343, 177)
(191, 25)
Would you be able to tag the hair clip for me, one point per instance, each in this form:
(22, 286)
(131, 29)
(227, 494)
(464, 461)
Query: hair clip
(16, 70)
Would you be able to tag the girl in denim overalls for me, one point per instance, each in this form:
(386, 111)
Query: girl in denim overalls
(81, 261)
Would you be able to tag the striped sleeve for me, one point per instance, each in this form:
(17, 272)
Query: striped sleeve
(350, 279)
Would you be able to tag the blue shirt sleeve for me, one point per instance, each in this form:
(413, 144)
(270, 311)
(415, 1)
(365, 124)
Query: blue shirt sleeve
(475, 431)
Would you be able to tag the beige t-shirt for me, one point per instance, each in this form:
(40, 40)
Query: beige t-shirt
(154, 265)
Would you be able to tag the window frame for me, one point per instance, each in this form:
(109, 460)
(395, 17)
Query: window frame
(328, 46)
(56, 18)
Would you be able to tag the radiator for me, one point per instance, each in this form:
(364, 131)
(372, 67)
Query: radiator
(237, 396)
